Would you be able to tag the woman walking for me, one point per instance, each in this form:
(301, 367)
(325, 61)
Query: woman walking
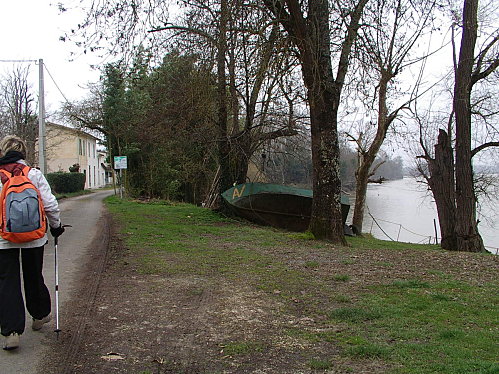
(38, 304)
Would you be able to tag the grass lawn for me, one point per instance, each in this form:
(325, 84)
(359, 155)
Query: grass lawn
(371, 307)
(65, 195)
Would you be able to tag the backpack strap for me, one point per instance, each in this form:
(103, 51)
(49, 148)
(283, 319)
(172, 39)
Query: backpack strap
(9, 170)
(5, 175)
(25, 170)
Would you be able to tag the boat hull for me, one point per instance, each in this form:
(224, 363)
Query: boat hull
(274, 205)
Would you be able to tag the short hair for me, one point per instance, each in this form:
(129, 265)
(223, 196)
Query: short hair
(12, 143)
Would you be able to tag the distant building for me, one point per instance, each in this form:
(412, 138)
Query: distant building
(67, 148)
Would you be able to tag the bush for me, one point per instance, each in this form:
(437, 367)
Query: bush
(66, 182)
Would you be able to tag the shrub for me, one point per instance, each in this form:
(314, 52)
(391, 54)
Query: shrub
(75, 168)
(66, 182)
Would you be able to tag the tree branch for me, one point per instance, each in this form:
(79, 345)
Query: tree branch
(276, 7)
(484, 74)
(375, 168)
(481, 57)
(276, 134)
(484, 146)
(186, 29)
(346, 47)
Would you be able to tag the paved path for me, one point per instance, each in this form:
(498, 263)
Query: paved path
(83, 213)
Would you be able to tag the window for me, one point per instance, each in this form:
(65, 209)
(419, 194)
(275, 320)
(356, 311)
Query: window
(80, 148)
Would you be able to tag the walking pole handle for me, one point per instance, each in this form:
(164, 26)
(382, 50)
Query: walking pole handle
(56, 238)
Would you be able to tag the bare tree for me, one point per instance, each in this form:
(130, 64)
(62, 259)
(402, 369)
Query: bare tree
(308, 25)
(87, 113)
(450, 172)
(233, 39)
(468, 72)
(19, 108)
(439, 174)
(251, 58)
(386, 48)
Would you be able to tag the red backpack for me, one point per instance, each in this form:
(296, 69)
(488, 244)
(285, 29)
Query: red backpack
(22, 216)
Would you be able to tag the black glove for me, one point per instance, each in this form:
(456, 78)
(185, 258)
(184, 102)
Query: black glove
(57, 231)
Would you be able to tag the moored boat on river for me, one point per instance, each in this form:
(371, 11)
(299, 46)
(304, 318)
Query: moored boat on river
(275, 205)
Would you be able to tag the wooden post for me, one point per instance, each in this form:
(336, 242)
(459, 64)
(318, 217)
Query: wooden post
(436, 234)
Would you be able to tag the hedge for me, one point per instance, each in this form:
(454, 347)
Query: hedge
(66, 182)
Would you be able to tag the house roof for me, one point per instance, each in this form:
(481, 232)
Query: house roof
(71, 130)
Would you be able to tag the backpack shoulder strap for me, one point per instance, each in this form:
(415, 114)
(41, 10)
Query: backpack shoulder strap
(10, 170)
(4, 175)
(25, 170)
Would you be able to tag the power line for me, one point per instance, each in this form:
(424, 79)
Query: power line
(53, 80)
(19, 61)
(50, 75)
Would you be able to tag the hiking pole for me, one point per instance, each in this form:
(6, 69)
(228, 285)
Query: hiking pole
(57, 329)
(56, 242)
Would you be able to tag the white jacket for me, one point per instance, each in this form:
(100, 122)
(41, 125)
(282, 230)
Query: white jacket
(49, 203)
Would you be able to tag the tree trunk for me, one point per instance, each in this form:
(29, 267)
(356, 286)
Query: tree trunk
(326, 220)
(468, 237)
(324, 97)
(312, 37)
(361, 181)
(241, 156)
(223, 140)
(367, 159)
(441, 182)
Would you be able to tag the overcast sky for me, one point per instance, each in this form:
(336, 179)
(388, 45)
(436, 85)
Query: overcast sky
(30, 30)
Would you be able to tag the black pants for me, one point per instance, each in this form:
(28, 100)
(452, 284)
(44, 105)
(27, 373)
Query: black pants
(12, 315)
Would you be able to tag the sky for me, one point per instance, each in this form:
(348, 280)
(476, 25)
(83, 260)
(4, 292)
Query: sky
(30, 30)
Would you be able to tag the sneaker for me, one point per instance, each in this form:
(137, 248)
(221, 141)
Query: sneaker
(11, 341)
(38, 323)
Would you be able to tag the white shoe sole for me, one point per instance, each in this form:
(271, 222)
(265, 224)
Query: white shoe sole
(11, 342)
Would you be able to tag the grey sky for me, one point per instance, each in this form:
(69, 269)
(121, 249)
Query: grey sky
(30, 30)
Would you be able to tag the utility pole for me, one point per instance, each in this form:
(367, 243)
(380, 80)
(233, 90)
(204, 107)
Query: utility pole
(41, 120)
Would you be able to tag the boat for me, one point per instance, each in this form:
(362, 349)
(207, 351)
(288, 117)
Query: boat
(276, 205)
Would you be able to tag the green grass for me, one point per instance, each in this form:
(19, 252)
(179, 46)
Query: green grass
(455, 329)
(316, 364)
(312, 264)
(411, 283)
(354, 314)
(367, 241)
(369, 351)
(241, 348)
(65, 195)
(348, 261)
(341, 298)
(341, 278)
(426, 322)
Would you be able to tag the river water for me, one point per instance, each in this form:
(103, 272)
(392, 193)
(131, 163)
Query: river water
(404, 210)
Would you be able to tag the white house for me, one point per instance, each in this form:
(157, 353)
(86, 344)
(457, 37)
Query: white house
(67, 147)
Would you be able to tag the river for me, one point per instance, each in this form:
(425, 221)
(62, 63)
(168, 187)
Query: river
(404, 210)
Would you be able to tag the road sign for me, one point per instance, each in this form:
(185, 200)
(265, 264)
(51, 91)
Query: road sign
(120, 162)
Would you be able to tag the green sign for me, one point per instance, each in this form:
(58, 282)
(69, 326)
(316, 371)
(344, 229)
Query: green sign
(120, 162)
